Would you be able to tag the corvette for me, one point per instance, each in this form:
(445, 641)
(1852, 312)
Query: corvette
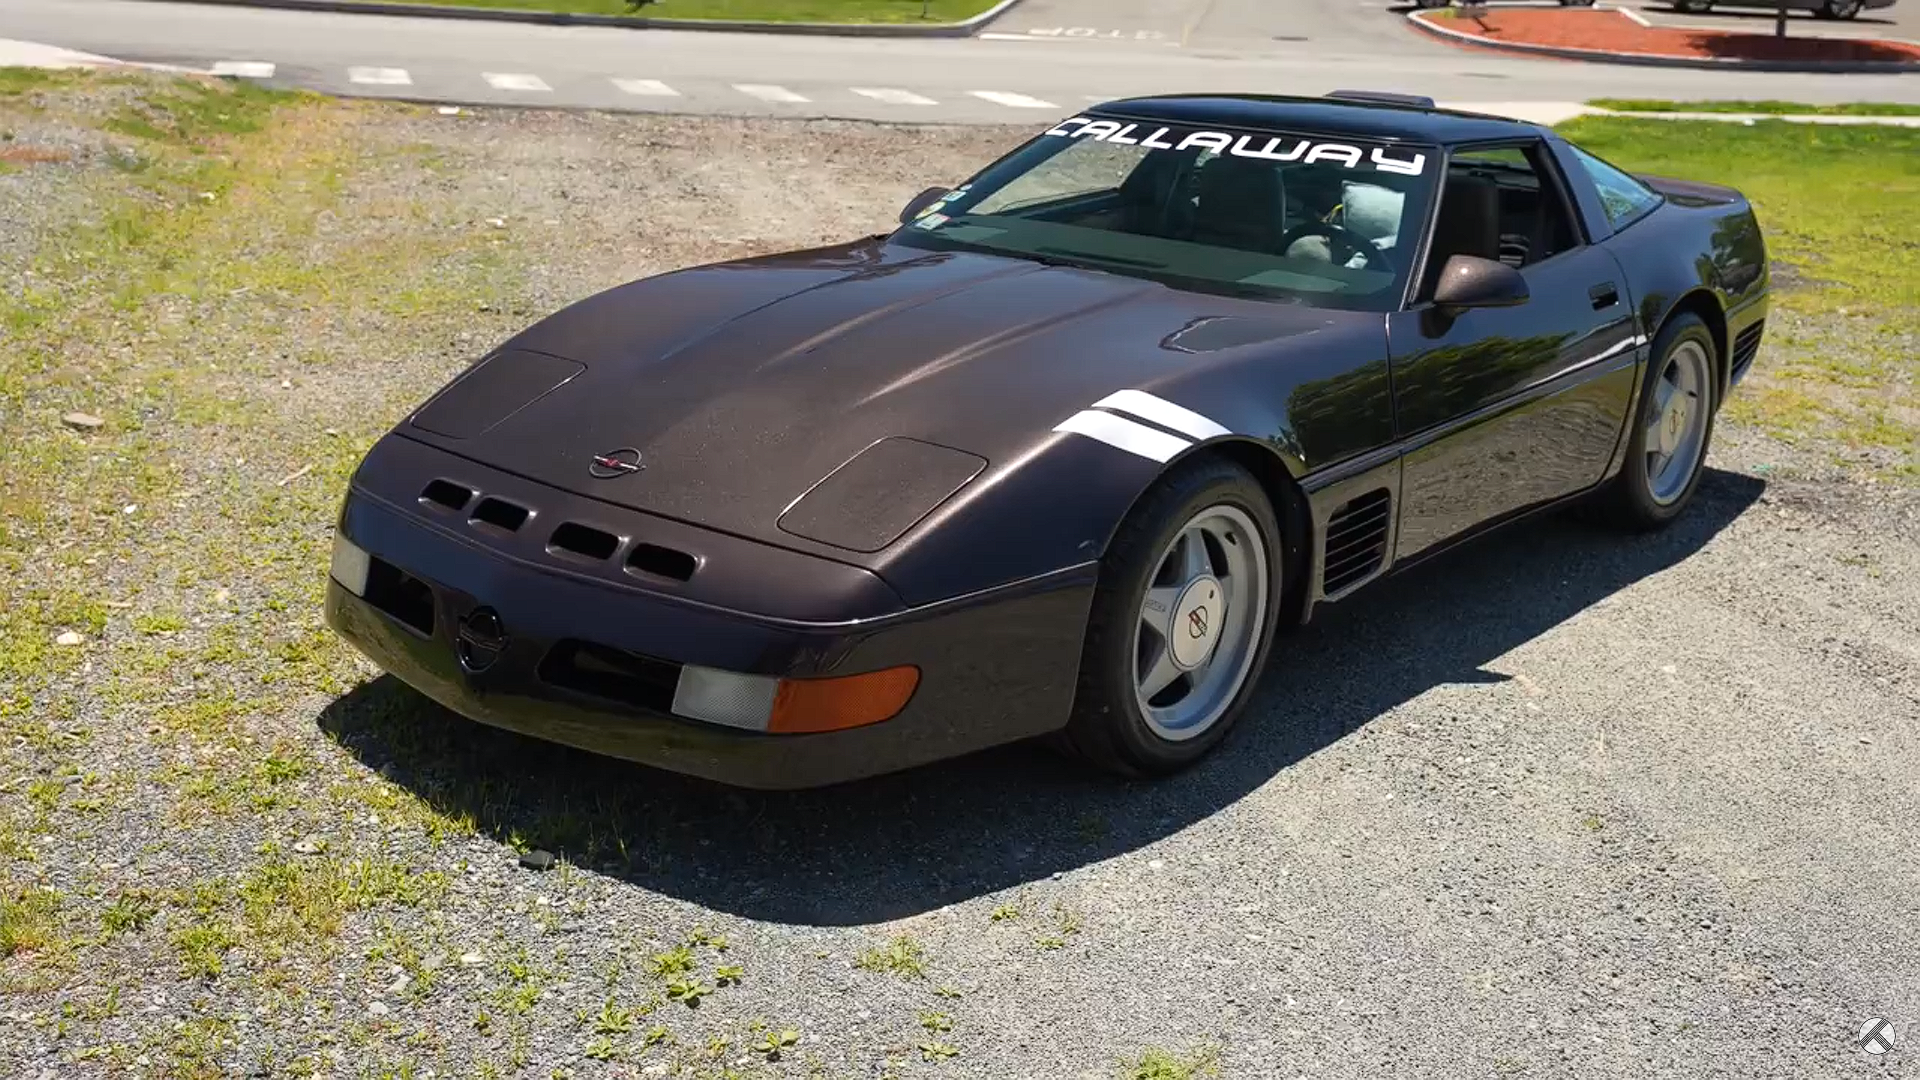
(1057, 458)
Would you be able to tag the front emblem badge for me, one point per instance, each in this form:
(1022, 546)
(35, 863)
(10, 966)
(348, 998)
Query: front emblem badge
(615, 463)
(480, 639)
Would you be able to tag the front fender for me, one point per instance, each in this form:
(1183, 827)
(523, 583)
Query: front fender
(1310, 405)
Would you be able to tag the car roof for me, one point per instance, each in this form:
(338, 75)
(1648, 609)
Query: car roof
(1407, 120)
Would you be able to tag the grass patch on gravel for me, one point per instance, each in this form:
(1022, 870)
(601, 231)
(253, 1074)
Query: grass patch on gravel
(1838, 371)
(776, 11)
(1770, 107)
(213, 297)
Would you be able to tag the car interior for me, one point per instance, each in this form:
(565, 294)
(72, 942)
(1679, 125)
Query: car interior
(1279, 220)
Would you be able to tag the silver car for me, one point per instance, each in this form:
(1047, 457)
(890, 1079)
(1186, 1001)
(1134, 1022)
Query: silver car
(1822, 9)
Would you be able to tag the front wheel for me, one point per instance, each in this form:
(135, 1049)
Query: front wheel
(1838, 9)
(1667, 447)
(1692, 7)
(1181, 624)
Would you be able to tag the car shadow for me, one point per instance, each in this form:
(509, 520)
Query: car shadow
(901, 845)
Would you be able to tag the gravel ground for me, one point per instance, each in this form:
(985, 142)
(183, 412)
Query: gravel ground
(1565, 804)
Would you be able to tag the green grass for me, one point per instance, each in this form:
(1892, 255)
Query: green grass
(1774, 108)
(1156, 1063)
(1837, 204)
(824, 11)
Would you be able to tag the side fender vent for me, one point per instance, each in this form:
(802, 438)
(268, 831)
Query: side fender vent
(1746, 345)
(1356, 541)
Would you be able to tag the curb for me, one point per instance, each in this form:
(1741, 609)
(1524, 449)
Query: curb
(966, 28)
(1457, 37)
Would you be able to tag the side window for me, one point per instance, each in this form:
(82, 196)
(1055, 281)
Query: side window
(1624, 199)
(1535, 222)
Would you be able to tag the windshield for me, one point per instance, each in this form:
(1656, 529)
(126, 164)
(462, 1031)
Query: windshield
(1325, 221)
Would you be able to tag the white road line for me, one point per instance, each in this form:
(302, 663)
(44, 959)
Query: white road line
(244, 69)
(768, 93)
(1012, 101)
(646, 87)
(1635, 16)
(1124, 434)
(1162, 412)
(515, 81)
(379, 76)
(893, 97)
(990, 36)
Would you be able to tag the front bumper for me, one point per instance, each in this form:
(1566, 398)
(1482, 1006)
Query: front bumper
(593, 663)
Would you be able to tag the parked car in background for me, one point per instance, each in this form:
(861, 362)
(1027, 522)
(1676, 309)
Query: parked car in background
(1822, 9)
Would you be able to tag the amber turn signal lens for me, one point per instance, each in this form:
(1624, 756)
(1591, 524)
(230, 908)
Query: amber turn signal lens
(850, 701)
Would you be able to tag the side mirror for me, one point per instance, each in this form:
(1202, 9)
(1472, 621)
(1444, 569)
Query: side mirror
(920, 202)
(1468, 281)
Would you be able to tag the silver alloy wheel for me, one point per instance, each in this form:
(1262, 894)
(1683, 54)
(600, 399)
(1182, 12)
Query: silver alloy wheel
(1204, 610)
(1676, 436)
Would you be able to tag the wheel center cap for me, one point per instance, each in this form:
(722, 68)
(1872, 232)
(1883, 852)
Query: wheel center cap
(1196, 622)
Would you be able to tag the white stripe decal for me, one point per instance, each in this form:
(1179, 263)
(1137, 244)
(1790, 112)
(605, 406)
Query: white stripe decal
(1118, 431)
(1162, 412)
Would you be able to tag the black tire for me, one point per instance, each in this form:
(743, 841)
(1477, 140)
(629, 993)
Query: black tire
(1628, 502)
(1107, 729)
(1692, 7)
(1838, 9)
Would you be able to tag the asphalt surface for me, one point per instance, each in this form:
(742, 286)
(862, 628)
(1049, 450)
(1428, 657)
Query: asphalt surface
(1015, 76)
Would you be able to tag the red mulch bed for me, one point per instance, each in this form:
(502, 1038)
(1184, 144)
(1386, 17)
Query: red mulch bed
(1610, 31)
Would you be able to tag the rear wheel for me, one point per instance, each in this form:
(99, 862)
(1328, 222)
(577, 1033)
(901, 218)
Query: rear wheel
(1692, 7)
(1182, 622)
(1838, 9)
(1667, 446)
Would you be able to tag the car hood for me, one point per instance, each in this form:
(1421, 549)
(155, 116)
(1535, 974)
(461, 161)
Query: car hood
(742, 385)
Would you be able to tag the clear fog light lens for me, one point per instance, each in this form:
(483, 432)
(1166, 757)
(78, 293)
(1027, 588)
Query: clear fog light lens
(350, 565)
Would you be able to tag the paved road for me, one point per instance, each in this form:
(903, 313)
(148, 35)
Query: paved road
(1228, 45)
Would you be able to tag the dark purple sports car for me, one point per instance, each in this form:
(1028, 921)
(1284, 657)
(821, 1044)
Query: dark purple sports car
(1059, 455)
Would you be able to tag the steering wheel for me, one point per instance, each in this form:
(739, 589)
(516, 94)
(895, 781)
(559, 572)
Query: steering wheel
(1342, 244)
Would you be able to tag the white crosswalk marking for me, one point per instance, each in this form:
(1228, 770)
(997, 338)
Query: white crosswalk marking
(244, 69)
(768, 93)
(646, 87)
(1012, 101)
(514, 81)
(893, 97)
(380, 76)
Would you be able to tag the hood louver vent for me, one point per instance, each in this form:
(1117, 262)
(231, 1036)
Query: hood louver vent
(1356, 541)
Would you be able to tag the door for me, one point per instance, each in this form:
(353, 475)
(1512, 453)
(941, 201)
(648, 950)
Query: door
(1502, 409)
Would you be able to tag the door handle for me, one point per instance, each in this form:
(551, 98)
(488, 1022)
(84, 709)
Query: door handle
(1604, 295)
